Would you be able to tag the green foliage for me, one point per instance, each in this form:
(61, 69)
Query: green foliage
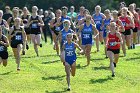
(45, 4)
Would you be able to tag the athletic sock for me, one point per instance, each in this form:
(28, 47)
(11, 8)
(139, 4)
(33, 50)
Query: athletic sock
(114, 64)
(133, 46)
(40, 45)
(27, 47)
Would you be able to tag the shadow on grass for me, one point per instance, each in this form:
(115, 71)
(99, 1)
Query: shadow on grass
(65, 90)
(53, 78)
(97, 59)
(135, 58)
(93, 81)
(39, 56)
(49, 62)
(78, 66)
(7, 73)
(101, 68)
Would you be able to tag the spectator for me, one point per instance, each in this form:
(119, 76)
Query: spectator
(72, 14)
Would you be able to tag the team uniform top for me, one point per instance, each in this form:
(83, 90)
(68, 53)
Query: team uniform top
(80, 17)
(70, 55)
(98, 20)
(125, 21)
(135, 21)
(25, 22)
(112, 38)
(2, 47)
(86, 34)
(35, 29)
(64, 35)
(63, 19)
(106, 23)
(57, 29)
(18, 38)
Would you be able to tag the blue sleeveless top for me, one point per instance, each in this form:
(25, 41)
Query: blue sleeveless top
(64, 35)
(70, 55)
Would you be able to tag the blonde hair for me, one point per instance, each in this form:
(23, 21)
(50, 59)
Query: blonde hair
(98, 6)
(35, 7)
(1, 12)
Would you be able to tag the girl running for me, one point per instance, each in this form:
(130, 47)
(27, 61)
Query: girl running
(105, 24)
(120, 27)
(3, 24)
(113, 46)
(70, 57)
(86, 30)
(35, 22)
(56, 28)
(15, 14)
(128, 24)
(98, 18)
(17, 39)
(4, 43)
(25, 16)
(136, 22)
(62, 36)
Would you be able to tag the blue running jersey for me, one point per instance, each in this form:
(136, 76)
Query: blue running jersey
(98, 21)
(70, 55)
(106, 23)
(86, 34)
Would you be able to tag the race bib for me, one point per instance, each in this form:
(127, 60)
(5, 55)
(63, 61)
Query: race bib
(1, 48)
(69, 53)
(57, 29)
(86, 36)
(112, 43)
(97, 22)
(124, 23)
(18, 37)
(34, 25)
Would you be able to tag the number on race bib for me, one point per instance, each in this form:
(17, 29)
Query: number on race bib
(97, 22)
(123, 23)
(57, 28)
(1, 48)
(34, 25)
(86, 36)
(18, 37)
(69, 53)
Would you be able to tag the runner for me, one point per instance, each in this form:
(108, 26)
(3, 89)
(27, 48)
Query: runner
(4, 43)
(120, 28)
(70, 57)
(105, 24)
(113, 46)
(15, 14)
(86, 30)
(98, 18)
(55, 26)
(46, 28)
(136, 21)
(128, 24)
(35, 22)
(25, 16)
(62, 36)
(17, 40)
(3, 24)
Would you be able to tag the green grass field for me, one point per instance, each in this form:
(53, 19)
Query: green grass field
(45, 74)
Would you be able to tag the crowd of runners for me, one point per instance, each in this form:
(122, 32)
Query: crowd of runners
(115, 29)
